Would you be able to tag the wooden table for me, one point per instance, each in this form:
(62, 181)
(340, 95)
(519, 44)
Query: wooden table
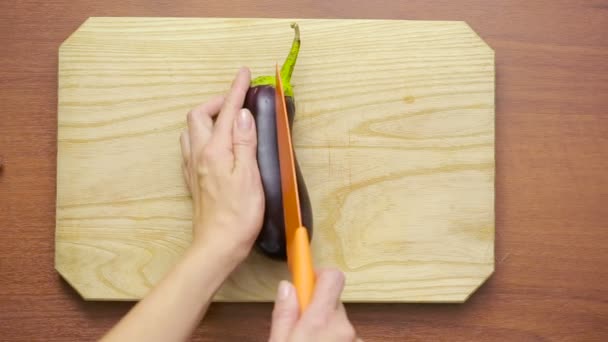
(551, 279)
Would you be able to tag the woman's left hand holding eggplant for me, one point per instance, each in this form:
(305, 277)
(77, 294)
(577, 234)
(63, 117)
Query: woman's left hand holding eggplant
(221, 170)
(220, 167)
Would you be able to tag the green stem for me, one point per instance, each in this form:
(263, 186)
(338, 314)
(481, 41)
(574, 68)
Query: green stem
(290, 61)
(286, 68)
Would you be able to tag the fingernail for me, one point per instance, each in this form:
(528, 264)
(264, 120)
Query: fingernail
(284, 289)
(244, 120)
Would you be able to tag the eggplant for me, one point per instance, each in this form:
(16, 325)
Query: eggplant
(260, 101)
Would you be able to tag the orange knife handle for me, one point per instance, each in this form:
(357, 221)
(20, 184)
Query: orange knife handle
(302, 268)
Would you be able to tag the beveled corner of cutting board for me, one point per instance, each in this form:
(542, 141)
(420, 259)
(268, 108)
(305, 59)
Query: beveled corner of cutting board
(71, 36)
(490, 49)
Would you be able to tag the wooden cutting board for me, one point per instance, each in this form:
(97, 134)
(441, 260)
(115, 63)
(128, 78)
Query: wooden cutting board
(394, 133)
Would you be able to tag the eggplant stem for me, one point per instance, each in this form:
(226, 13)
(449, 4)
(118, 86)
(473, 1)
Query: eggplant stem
(286, 68)
(290, 61)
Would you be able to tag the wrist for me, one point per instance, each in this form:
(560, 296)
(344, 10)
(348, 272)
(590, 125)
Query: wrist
(225, 252)
(208, 263)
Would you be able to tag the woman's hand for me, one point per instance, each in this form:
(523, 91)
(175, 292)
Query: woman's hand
(325, 318)
(221, 170)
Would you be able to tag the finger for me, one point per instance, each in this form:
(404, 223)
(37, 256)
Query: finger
(244, 140)
(200, 123)
(326, 296)
(184, 142)
(285, 313)
(186, 174)
(319, 271)
(234, 102)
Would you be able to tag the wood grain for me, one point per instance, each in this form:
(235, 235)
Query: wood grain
(396, 142)
(551, 185)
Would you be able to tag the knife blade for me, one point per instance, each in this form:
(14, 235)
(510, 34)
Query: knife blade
(299, 256)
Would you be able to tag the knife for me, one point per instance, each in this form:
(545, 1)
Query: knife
(299, 256)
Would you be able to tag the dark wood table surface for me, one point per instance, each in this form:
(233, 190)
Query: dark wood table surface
(551, 278)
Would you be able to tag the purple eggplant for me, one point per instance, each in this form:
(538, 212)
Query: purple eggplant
(260, 101)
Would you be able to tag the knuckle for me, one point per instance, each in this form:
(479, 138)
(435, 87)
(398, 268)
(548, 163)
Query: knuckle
(277, 313)
(202, 170)
(245, 143)
(278, 310)
(280, 313)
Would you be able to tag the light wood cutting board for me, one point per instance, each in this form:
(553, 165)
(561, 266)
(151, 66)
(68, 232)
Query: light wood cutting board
(394, 133)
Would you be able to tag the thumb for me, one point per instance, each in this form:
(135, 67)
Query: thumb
(285, 313)
(244, 139)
